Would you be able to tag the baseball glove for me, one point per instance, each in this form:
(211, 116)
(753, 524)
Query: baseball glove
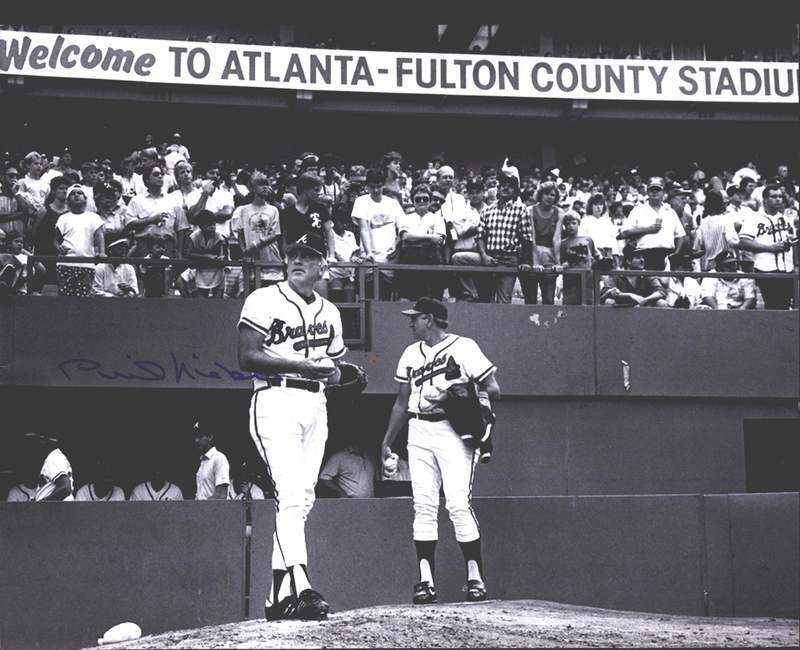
(471, 417)
(353, 380)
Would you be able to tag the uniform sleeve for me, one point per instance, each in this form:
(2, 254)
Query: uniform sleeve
(475, 363)
(256, 313)
(749, 226)
(55, 465)
(177, 493)
(222, 470)
(336, 347)
(401, 374)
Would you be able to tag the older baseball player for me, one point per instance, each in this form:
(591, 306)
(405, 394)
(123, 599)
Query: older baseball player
(437, 456)
(55, 475)
(288, 338)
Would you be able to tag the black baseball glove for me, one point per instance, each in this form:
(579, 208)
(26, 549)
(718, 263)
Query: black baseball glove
(471, 417)
(353, 380)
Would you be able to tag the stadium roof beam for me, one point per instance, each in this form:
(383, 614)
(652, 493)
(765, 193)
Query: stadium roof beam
(457, 37)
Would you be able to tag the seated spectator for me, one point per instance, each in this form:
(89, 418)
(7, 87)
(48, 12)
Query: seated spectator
(102, 488)
(243, 486)
(158, 488)
(16, 247)
(422, 235)
(258, 230)
(632, 290)
(683, 292)
(205, 246)
(90, 173)
(350, 472)
(578, 253)
(213, 473)
(43, 457)
(378, 217)
(115, 279)
(77, 234)
(728, 293)
(346, 249)
(156, 280)
(716, 233)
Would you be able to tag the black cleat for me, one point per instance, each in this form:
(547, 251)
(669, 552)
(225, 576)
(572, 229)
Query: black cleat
(424, 593)
(311, 606)
(476, 591)
(284, 609)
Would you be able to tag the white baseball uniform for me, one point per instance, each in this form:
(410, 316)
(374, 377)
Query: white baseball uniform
(55, 466)
(88, 493)
(21, 494)
(288, 416)
(146, 492)
(437, 457)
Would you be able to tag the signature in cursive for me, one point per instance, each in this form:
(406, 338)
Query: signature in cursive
(136, 369)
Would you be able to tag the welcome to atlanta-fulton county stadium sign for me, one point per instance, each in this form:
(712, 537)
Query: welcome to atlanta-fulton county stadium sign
(292, 68)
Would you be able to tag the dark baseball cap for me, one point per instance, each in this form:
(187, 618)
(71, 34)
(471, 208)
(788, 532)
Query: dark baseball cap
(310, 242)
(428, 306)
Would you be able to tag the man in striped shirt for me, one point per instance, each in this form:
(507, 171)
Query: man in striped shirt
(505, 237)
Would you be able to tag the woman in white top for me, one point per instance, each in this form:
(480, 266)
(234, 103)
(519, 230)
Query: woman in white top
(598, 225)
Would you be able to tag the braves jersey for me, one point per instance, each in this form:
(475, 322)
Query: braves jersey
(146, 492)
(292, 328)
(87, 493)
(55, 466)
(765, 229)
(21, 494)
(430, 370)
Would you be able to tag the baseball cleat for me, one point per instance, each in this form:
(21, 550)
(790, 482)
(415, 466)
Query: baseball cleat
(476, 591)
(311, 606)
(281, 610)
(424, 593)
(486, 456)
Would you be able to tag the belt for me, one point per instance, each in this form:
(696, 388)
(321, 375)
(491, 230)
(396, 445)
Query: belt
(428, 417)
(288, 382)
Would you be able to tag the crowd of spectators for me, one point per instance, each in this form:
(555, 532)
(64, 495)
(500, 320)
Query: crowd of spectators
(196, 229)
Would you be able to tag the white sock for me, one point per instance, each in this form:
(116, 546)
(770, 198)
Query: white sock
(301, 582)
(425, 572)
(472, 571)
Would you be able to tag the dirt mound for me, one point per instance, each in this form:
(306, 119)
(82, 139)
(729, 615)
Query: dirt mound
(494, 623)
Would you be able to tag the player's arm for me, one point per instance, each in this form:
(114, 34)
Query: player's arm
(491, 387)
(61, 489)
(253, 359)
(397, 418)
(220, 492)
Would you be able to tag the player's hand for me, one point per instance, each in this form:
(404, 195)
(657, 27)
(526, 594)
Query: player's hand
(386, 452)
(537, 268)
(525, 268)
(488, 260)
(317, 369)
(557, 268)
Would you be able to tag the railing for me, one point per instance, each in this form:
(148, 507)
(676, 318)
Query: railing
(358, 307)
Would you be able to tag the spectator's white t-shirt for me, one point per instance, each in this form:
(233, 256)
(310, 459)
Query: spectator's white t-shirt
(258, 223)
(214, 470)
(429, 224)
(78, 232)
(344, 246)
(35, 190)
(353, 473)
(644, 215)
(382, 217)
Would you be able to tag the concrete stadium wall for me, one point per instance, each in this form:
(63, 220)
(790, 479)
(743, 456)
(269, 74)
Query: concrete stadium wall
(540, 350)
(70, 571)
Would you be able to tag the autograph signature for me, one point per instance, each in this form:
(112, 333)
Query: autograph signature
(149, 370)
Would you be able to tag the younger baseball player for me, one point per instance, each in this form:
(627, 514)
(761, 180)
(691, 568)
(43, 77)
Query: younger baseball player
(289, 336)
(55, 473)
(437, 456)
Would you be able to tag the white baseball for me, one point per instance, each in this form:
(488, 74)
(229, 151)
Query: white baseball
(430, 392)
(326, 363)
(390, 464)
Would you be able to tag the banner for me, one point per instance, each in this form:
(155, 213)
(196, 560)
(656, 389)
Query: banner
(477, 75)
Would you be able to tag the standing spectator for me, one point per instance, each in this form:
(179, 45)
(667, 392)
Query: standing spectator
(187, 196)
(677, 198)
(156, 279)
(64, 166)
(157, 488)
(463, 234)
(308, 217)
(114, 279)
(422, 235)
(77, 234)
(206, 246)
(147, 158)
(346, 248)
(785, 180)
(454, 206)
(378, 217)
(716, 233)
(102, 488)
(32, 189)
(505, 238)
(213, 474)
(90, 172)
(12, 216)
(598, 226)
(115, 221)
(258, 228)
(172, 158)
(654, 227)
(43, 230)
(632, 290)
(546, 218)
(349, 472)
(157, 213)
(392, 167)
(44, 457)
(770, 236)
(125, 178)
(177, 140)
(578, 252)
(728, 293)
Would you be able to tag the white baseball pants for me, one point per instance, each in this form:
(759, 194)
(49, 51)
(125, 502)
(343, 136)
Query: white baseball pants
(437, 458)
(290, 427)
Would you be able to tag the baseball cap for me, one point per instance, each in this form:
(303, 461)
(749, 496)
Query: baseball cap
(428, 306)
(725, 257)
(358, 174)
(176, 135)
(76, 186)
(115, 239)
(374, 177)
(677, 190)
(655, 181)
(310, 242)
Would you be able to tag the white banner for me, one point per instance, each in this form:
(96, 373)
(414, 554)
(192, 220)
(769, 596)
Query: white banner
(222, 64)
